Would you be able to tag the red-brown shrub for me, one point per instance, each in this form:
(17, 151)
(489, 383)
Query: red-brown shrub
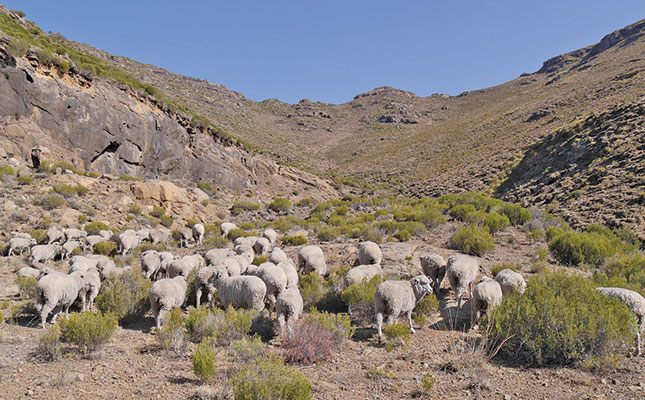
(310, 342)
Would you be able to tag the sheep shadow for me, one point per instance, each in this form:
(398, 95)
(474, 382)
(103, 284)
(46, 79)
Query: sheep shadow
(182, 380)
(453, 319)
(363, 334)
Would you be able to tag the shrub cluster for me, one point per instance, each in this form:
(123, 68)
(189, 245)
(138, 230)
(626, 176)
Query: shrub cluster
(280, 205)
(93, 228)
(294, 240)
(239, 207)
(270, 378)
(473, 239)
(172, 335)
(359, 298)
(125, 296)
(89, 331)
(593, 246)
(309, 343)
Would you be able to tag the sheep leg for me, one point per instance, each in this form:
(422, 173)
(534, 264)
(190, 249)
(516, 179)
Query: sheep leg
(58, 310)
(198, 295)
(209, 295)
(638, 343)
(379, 325)
(409, 313)
(44, 312)
(83, 302)
(159, 317)
(281, 322)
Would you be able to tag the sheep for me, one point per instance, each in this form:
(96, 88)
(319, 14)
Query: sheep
(246, 240)
(243, 261)
(72, 233)
(226, 227)
(21, 235)
(288, 307)
(195, 261)
(150, 264)
(216, 256)
(202, 281)
(232, 266)
(184, 234)
(198, 233)
(144, 234)
(486, 296)
(44, 252)
(90, 290)
(434, 267)
(396, 297)
(93, 240)
(289, 269)
(111, 269)
(106, 234)
(246, 251)
(271, 235)
(45, 271)
(362, 272)
(159, 235)
(510, 280)
(165, 294)
(275, 280)
(239, 291)
(20, 243)
(28, 272)
(277, 256)
(369, 253)
(57, 290)
(55, 235)
(185, 265)
(127, 241)
(262, 246)
(635, 302)
(166, 258)
(68, 247)
(312, 258)
(461, 271)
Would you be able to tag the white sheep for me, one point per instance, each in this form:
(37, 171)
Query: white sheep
(28, 272)
(44, 252)
(277, 256)
(202, 282)
(232, 266)
(262, 246)
(288, 307)
(150, 264)
(239, 291)
(166, 258)
(106, 234)
(184, 235)
(185, 266)
(275, 280)
(198, 233)
(312, 258)
(113, 270)
(22, 235)
(74, 234)
(92, 240)
(144, 234)
(360, 273)
(56, 290)
(246, 251)
(243, 261)
(635, 302)
(461, 271)
(68, 247)
(55, 235)
(160, 235)
(90, 290)
(166, 294)
(290, 271)
(271, 235)
(510, 280)
(486, 296)
(434, 267)
(127, 241)
(216, 256)
(226, 227)
(396, 297)
(369, 253)
(20, 243)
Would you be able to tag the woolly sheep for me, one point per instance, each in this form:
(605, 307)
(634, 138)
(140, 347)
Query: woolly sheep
(90, 290)
(19, 243)
(72, 233)
(165, 294)
(369, 253)
(55, 235)
(232, 266)
(68, 247)
(226, 227)
(288, 307)
(44, 252)
(144, 234)
(166, 258)
(243, 261)
(289, 269)
(434, 267)
(150, 264)
(510, 280)
(159, 235)
(22, 235)
(262, 246)
(202, 282)
(275, 280)
(216, 256)
(106, 234)
(198, 233)
(635, 302)
(239, 291)
(247, 240)
(93, 240)
(185, 265)
(277, 256)
(246, 251)
(486, 296)
(362, 272)
(28, 272)
(396, 297)
(312, 258)
(57, 291)
(184, 235)
(461, 271)
(271, 235)
(111, 269)
(128, 241)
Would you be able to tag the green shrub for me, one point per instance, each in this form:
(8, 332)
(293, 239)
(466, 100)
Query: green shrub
(6, 170)
(498, 267)
(172, 335)
(25, 179)
(425, 308)
(207, 188)
(204, 361)
(311, 288)
(217, 241)
(49, 347)
(388, 227)
(560, 319)
(63, 190)
(473, 240)
(89, 331)
(359, 298)
(402, 235)
(81, 190)
(373, 236)
(249, 349)
(40, 235)
(236, 233)
(126, 297)
(496, 222)
(1, 318)
(212, 230)
(328, 233)
(135, 209)
(430, 218)
(52, 202)
(257, 260)
(241, 206)
(427, 382)
(339, 324)
(105, 248)
(307, 202)
(26, 286)
(280, 205)
(398, 332)
(294, 240)
(626, 270)
(93, 228)
(81, 219)
(572, 248)
(166, 221)
(269, 378)
(231, 325)
(157, 211)
(517, 215)
(199, 323)
(246, 226)
(460, 211)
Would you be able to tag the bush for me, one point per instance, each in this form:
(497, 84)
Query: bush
(496, 222)
(425, 307)
(204, 361)
(236, 233)
(269, 378)
(460, 211)
(294, 240)
(52, 202)
(311, 288)
(126, 297)
(402, 235)
(517, 215)
(473, 240)
(306, 202)
(257, 260)
(373, 236)
(249, 349)
(135, 209)
(64, 190)
(89, 331)
(309, 343)
(328, 233)
(105, 248)
(6, 170)
(199, 323)
(217, 241)
(157, 211)
(246, 226)
(81, 219)
(339, 325)
(397, 334)
(166, 221)
(40, 235)
(26, 286)
(498, 267)
(49, 348)
(171, 336)
(207, 188)
(626, 270)
(25, 179)
(223, 326)
(93, 228)
(241, 206)
(359, 298)
(572, 248)
(560, 319)
(280, 205)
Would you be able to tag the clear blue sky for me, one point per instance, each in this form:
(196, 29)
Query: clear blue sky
(332, 50)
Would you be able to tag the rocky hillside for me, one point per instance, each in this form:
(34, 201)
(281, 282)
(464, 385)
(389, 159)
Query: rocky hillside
(592, 170)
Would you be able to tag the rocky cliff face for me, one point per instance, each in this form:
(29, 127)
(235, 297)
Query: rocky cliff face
(104, 128)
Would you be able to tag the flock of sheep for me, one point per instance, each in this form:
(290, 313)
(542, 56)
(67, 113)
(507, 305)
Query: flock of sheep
(237, 282)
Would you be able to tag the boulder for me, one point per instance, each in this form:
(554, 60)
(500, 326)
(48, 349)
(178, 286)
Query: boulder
(160, 191)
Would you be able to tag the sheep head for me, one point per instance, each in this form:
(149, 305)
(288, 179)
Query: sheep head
(421, 286)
